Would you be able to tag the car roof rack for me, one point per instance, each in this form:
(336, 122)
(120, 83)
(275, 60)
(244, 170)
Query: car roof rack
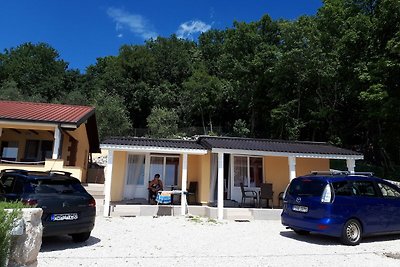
(336, 172)
(329, 172)
(55, 172)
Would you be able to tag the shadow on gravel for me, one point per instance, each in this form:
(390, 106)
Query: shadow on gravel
(55, 243)
(312, 238)
(381, 238)
(328, 240)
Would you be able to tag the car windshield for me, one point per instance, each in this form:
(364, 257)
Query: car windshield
(56, 186)
(306, 187)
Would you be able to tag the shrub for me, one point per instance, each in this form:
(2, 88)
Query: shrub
(6, 224)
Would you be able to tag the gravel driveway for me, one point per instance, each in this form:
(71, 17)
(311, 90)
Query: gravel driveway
(180, 241)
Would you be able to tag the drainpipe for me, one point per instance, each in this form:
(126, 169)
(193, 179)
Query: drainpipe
(107, 184)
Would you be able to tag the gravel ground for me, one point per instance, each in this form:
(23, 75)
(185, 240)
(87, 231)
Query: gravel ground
(180, 241)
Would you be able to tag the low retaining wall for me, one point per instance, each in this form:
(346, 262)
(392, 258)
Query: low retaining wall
(26, 239)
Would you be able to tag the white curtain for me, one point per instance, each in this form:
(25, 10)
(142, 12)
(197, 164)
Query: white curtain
(135, 170)
(214, 174)
(240, 171)
(229, 178)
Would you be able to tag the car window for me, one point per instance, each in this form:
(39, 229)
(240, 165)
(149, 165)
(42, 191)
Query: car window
(342, 188)
(8, 183)
(306, 187)
(56, 186)
(388, 191)
(18, 186)
(364, 188)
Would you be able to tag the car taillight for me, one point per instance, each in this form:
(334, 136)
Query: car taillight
(92, 203)
(327, 194)
(30, 202)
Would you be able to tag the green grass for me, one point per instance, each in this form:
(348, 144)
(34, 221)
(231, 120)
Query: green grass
(6, 224)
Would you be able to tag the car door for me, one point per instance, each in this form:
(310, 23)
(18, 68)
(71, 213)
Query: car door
(370, 206)
(391, 199)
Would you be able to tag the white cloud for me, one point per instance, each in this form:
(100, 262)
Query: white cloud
(135, 23)
(120, 35)
(187, 29)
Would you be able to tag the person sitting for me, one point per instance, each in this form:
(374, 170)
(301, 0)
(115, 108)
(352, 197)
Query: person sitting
(155, 185)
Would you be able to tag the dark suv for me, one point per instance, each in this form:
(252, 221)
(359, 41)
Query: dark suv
(345, 205)
(67, 207)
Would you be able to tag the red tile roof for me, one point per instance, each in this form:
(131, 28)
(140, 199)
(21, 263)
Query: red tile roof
(44, 112)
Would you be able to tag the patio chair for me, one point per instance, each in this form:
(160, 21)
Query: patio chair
(280, 199)
(248, 194)
(266, 193)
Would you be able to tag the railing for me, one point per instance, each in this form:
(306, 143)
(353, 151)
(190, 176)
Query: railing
(23, 162)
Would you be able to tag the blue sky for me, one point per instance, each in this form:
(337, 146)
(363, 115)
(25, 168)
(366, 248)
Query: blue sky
(82, 30)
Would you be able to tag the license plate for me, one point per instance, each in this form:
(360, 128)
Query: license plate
(300, 208)
(64, 217)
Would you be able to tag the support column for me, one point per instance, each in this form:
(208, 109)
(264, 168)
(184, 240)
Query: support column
(57, 143)
(107, 183)
(1, 131)
(220, 182)
(184, 182)
(351, 164)
(292, 168)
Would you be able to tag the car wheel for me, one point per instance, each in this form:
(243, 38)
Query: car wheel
(351, 233)
(301, 232)
(81, 237)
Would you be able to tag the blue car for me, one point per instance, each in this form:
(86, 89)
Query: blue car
(344, 205)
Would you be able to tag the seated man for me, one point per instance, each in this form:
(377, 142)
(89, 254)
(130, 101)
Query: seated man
(155, 185)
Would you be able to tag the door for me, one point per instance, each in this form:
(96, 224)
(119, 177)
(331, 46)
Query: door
(247, 170)
(135, 184)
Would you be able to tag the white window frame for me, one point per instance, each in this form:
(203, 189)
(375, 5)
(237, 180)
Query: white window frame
(248, 168)
(164, 167)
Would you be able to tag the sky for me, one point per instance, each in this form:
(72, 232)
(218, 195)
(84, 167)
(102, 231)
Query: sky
(83, 30)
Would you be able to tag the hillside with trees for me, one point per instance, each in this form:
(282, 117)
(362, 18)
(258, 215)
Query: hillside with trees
(332, 77)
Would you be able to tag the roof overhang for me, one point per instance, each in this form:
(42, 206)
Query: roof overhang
(153, 149)
(285, 154)
(38, 123)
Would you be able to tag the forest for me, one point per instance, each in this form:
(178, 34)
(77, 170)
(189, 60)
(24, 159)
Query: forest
(332, 77)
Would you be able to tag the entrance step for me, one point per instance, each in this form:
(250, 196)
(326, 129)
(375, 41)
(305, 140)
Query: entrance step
(96, 190)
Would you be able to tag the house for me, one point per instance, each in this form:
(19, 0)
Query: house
(42, 137)
(217, 164)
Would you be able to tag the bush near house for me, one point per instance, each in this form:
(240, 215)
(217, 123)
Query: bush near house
(6, 225)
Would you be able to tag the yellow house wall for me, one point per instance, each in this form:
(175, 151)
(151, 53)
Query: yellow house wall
(194, 171)
(204, 182)
(80, 135)
(276, 171)
(118, 175)
(306, 165)
(47, 133)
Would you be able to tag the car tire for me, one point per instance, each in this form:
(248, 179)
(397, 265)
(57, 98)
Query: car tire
(81, 237)
(301, 232)
(351, 233)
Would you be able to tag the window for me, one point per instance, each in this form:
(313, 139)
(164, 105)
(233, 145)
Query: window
(9, 150)
(306, 187)
(388, 191)
(167, 167)
(364, 188)
(247, 170)
(38, 150)
(135, 170)
(342, 188)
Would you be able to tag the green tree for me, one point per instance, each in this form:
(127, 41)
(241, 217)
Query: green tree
(162, 123)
